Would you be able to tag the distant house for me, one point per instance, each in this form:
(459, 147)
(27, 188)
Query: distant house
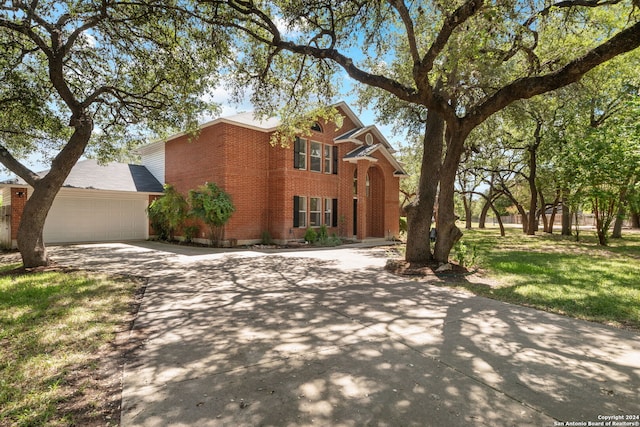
(346, 179)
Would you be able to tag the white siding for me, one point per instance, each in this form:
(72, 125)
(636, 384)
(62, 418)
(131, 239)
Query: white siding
(153, 159)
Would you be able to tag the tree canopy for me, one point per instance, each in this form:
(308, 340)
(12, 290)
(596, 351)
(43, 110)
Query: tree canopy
(461, 61)
(93, 77)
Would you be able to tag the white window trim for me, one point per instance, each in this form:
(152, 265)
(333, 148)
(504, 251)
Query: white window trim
(311, 156)
(319, 212)
(327, 160)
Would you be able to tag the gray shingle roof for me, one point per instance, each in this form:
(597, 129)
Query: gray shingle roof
(363, 151)
(89, 174)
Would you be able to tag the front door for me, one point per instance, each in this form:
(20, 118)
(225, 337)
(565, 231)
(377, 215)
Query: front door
(355, 217)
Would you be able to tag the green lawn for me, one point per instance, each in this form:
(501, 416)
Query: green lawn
(53, 328)
(558, 274)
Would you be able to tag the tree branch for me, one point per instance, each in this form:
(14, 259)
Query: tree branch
(527, 87)
(10, 162)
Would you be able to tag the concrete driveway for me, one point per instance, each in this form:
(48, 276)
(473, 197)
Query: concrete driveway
(327, 338)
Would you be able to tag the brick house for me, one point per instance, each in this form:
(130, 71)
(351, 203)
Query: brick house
(346, 179)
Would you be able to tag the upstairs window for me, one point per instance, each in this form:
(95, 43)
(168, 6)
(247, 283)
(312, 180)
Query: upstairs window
(300, 153)
(316, 126)
(315, 155)
(327, 159)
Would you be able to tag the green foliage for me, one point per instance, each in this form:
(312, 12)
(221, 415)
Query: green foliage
(466, 257)
(168, 213)
(323, 238)
(214, 207)
(323, 234)
(266, 238)
(190, 231)
(133, 67)
(52, 327)
(603, 164)
(552, 273)
(403, 224)
(310, 235)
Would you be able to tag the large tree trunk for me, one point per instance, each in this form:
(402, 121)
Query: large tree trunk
(420, 212)
(566, 215)
(617, 226)
(448, 233)
(30, 239)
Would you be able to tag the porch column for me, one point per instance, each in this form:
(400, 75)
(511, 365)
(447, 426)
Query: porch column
(19, 197)
(363, 200)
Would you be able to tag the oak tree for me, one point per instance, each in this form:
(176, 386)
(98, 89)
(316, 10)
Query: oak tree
(462, 61)
(91, 77)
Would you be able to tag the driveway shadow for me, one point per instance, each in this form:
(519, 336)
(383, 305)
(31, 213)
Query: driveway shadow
(236, 339)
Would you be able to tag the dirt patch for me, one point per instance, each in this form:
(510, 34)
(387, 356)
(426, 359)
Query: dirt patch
(97, 384)
(427, 272)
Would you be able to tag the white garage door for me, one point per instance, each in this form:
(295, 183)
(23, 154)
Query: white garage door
(74, 218)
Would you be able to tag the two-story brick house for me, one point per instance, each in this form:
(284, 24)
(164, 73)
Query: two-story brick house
(346, 179)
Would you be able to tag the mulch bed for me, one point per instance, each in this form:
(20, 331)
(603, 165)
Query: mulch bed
(426, 270)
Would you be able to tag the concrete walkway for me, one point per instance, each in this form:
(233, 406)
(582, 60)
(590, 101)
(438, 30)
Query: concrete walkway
(327, 338)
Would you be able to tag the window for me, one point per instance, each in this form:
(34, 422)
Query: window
(315, 212)
(300, 153)
(335, 159)
(327, 159)
(299, 211)
(355, 183)
(315, 155)
(368, 185)
(316, 126)
(328, 218)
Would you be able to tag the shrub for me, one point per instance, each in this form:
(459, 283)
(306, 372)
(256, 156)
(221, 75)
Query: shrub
(464, 256)
(266, 238)
(190, 232)
(310, 235)
(214, 207)
(167, 213)
(403, 224)
(324, 239)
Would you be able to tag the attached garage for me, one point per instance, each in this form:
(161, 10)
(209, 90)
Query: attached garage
(96, 217)
(98, 203)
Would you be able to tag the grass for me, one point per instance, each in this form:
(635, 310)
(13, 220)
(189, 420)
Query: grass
(53, 327)
(558, 274)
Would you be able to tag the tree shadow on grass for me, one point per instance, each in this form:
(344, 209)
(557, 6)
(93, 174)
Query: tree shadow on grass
(268, 340)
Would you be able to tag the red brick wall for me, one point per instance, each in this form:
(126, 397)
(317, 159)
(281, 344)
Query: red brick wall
(18, 200)
(262, 181)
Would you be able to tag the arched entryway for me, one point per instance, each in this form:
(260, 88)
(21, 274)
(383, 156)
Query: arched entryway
(375, 202)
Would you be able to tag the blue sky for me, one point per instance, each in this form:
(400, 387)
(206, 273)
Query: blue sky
(367, 116)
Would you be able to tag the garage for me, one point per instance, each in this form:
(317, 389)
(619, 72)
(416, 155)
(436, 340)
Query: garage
(94, 216)
(97, 203)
